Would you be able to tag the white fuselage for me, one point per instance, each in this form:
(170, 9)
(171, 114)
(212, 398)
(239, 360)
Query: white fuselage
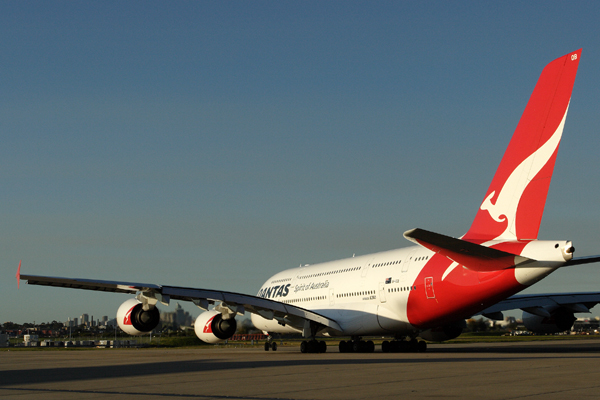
(366, 295)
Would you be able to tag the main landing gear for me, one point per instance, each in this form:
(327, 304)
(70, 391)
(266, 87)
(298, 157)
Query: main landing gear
(404, 346)
(313, 346)
(356, 345)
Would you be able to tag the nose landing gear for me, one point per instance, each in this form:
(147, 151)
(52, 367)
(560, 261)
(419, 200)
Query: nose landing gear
(270, 344)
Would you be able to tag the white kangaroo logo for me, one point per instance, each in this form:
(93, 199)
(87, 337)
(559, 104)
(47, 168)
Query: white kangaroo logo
(510, 195)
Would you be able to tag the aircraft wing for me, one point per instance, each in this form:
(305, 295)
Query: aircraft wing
(537, 303)
(269, 309)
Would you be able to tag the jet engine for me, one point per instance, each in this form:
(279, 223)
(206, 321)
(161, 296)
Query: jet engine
(443, 333)
(560, 320)
(211, 327)
(134, 320)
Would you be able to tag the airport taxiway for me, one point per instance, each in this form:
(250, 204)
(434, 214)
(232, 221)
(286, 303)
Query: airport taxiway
(517, 370)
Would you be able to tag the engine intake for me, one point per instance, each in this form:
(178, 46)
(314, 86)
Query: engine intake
(210, 327)
(134, 320)
(443, 333)
(560, 320)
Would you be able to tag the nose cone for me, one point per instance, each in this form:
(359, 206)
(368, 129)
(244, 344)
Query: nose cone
(568, 250)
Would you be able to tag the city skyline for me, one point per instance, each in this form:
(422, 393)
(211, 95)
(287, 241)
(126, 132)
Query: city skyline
(178, 317)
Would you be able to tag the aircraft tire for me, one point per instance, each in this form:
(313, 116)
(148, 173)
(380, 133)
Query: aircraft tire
(304, 347)
(370, 346)
(413, 345)
(385, 346)
(322, 347)
(346, 347)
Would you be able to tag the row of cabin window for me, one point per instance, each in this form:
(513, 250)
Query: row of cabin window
(368, 292)
(402, 289)
(385, 264)
(290, 301)
(281, 280)
(339, 271)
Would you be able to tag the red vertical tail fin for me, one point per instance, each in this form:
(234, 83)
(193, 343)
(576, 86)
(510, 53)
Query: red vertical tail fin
(514, 203)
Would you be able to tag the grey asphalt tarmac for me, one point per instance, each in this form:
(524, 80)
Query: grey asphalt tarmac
(530, 370)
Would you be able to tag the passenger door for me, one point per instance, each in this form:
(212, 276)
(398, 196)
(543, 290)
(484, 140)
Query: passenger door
(429, 288)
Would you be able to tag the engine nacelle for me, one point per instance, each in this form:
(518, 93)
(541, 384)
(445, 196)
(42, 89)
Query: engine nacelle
(443, 333)
(210, 327)
(132, 318)
(559, 320)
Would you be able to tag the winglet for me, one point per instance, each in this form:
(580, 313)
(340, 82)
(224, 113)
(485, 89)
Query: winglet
(19, 276)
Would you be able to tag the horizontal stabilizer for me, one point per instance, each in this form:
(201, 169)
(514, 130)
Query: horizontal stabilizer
(583, 260)
(472, 256)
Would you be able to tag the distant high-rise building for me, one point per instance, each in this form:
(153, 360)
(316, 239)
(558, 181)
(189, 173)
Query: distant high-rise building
(179, 317)
(180, 314)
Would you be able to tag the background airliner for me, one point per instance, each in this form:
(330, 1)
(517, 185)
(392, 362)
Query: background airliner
(425, 291)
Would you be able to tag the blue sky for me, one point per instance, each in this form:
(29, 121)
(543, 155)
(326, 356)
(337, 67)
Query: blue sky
(211, 144)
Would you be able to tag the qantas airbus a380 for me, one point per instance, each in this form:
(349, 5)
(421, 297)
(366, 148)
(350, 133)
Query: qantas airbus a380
(426, 290)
